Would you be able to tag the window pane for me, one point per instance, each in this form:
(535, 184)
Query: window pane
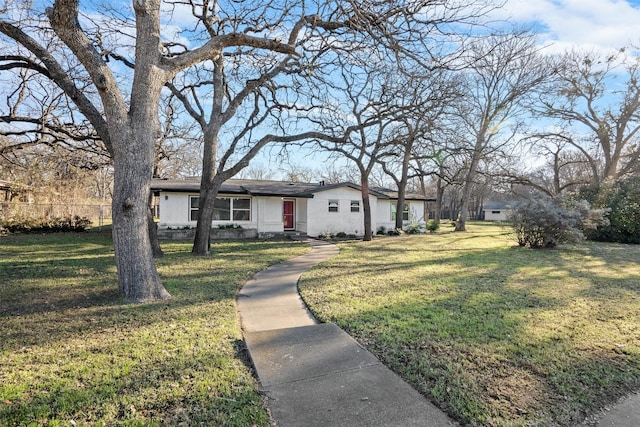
(241, 204)
(355, 206)
(333, 206)
(194, 202)
(241, 209)
(241, 215)
(222, 209)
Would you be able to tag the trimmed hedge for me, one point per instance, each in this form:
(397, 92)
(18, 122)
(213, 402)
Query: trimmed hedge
(45, 225)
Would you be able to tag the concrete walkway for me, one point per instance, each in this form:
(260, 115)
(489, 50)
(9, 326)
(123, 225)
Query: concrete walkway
(625, 414)
(315, 374)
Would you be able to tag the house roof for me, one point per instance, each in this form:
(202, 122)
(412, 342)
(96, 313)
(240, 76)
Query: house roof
(393, 194)
(240, 186)
(271, 188)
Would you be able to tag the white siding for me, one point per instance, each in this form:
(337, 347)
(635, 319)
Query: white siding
(320, 220)
(269, 213)
(384, 215)
(416, 213)
(174, 209)
(175, 213)
(301, 215)
(496, 215)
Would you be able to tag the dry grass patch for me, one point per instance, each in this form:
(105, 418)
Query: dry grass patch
(493, 333)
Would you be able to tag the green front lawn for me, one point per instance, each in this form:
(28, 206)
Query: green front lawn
(72, 353)
(493, 333)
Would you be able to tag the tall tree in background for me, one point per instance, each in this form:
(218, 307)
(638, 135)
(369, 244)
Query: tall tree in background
(364, 118)
(565, 169)
(503, 71)
(596, 100)
(425, 103)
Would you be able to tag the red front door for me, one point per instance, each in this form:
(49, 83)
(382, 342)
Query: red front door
(289, 216)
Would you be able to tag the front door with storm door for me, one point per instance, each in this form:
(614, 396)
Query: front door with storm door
(288, 209)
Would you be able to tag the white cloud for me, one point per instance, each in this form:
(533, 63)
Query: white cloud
(592, 24)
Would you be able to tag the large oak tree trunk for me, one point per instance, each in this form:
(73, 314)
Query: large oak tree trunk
(138, 278)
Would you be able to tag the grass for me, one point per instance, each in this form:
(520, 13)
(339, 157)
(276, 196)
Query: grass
(73, 353)
(492, 333)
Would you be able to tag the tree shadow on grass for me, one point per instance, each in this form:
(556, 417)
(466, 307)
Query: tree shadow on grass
(503, 337)
(72, 349)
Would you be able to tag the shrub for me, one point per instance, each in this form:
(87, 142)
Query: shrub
(326, 235)
(545, 223)
(395, 232)
(230, 227)
(432, 226)
(415, 228)
(341, 235)
(622, 200)
(382, 230)
(45, 225)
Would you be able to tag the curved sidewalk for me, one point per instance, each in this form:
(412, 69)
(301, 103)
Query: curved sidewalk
(315, 374)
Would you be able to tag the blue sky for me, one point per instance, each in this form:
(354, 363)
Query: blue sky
(590, 24)
(601, 25)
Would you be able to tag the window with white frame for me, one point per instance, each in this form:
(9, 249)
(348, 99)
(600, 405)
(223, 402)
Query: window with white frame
(194, 202)
(355, 206)
(405, 212)
(224, 209)
(334, 205)
(241, 209)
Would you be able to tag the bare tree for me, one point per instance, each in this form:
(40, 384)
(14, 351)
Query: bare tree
(356, 107)
(504, 70)
(565, 168)
(256, 171)
(599, 114)
(36, 113)
(125, 113)
(244, 92)
(424, 102)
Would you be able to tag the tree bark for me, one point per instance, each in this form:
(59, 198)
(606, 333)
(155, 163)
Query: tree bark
(461, 223)
(437, 214)
(209, 185)
(366, 209)
(402, 185)
(132, 131)
(138, 279)
(153, 231)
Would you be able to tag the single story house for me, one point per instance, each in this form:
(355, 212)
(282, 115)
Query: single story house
(497, 211)
(277, 207)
